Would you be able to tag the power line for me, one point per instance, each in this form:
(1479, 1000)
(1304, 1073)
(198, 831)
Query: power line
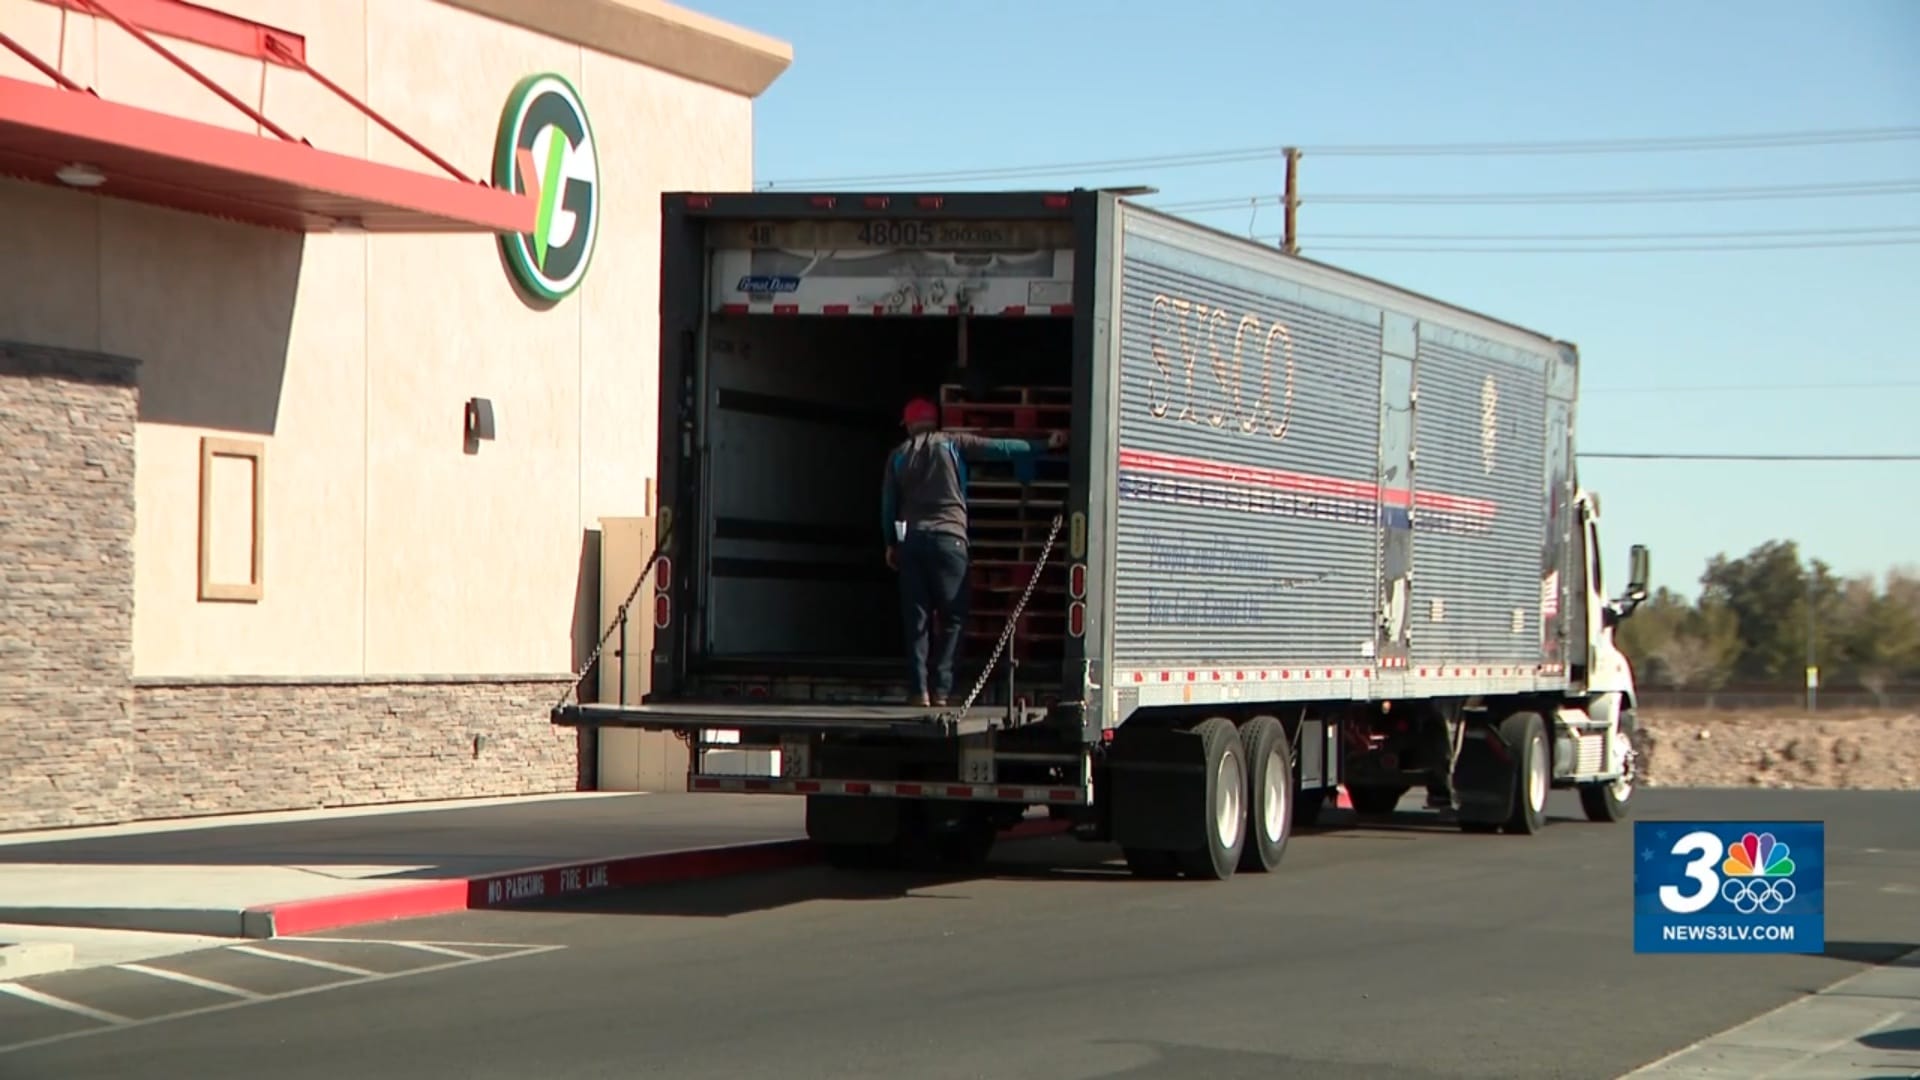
(1735, 234)
(1652, 145)
(1618, 249)
(1751, 387)
(1538, 198)
(1660, 456)
(1237, 155)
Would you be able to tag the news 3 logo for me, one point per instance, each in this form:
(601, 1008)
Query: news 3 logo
(1729, 886)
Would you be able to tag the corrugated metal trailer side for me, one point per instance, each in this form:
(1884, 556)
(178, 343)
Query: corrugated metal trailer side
(1326, 488)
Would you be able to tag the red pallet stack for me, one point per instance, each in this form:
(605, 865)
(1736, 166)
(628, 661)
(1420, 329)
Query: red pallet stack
(1010, 519)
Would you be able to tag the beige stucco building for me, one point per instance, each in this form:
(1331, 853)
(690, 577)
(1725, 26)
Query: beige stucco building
(251, 555)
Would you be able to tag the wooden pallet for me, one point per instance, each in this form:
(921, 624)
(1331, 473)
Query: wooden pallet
(1017, 421)
(956, 394)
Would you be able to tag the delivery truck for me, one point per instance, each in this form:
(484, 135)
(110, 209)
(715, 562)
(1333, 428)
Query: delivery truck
(1310, 532)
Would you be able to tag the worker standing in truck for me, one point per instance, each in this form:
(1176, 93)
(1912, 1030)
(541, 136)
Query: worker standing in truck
(923, 500)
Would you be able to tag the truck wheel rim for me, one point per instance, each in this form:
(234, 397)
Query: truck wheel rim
(1623, 787)
(1227, 814)
(1537, 777)
(1273, 806)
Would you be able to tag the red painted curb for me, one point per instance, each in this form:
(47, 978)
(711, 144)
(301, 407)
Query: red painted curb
(351, 909)
(515, 888)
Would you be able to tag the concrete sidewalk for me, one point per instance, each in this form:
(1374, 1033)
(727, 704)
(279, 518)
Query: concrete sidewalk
(1865, 1026)
(259, 875)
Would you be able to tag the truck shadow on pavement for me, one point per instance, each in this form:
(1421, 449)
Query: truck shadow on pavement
(1901, 954)
(1900, 1040)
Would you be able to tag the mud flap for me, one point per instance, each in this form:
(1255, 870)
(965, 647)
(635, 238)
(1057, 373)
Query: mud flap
(1157, 777)
(1485, 776)
(840, 819)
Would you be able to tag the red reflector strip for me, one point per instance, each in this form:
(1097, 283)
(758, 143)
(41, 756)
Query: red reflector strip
(1062, 309)
(823, 202)
(835, 309)
(1063, 794)
(1056, 202)
(908, 789)
(1014, 309)
(706, 783)
(858, 788)
(959, 791)
(786, 309)
(700, 202)
(755, 784)
(930, 202)
(806, 787)
(733, 309)
(1009, 793)
(876, 202)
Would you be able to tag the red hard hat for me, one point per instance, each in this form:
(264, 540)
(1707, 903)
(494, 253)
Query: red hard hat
(919, 411)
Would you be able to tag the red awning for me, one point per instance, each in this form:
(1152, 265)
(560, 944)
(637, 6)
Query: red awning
(155, 158)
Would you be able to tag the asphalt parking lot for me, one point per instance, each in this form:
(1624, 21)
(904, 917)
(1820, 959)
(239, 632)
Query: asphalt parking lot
(1403, 951)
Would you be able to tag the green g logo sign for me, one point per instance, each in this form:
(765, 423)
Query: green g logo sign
(546, 149)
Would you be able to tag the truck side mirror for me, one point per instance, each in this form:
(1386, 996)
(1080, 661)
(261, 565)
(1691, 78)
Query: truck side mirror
(1638, 574)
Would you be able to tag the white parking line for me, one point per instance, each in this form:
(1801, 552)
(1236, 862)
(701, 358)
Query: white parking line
(269, 954)
(62, 1003)
(428, 947)
(190, 980)
(121, 1023)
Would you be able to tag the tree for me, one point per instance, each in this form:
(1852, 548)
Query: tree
(1768, 592)
(1879, 636)
(1647, 636)
(1701, 650)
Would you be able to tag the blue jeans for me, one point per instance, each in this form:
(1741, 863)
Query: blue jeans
(933, 583)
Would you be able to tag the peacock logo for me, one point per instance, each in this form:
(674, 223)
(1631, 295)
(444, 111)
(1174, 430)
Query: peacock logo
(1759, 871)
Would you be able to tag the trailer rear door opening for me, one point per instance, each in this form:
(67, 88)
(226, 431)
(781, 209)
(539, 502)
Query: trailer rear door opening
(794, 410)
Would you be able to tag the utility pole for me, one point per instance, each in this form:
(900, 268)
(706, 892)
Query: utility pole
(1813, 668)
(1289, 240)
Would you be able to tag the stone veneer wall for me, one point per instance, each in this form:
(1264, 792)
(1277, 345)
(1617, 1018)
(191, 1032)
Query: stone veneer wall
(66, 585)
(234, 745)
(81, 743)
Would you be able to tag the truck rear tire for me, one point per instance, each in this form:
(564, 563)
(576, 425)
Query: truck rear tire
(1525, 733)
(1270, 792)
(1224, 807)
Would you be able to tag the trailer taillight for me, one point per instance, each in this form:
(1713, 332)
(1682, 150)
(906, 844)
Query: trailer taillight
(1077, 581)
(663, 574)
(930, 202)
(700, 202)
(662, 611)
(823, 202)
(1077, 619)
(1056, 202)
(876, 202)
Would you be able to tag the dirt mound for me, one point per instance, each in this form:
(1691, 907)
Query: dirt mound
(1850, 750)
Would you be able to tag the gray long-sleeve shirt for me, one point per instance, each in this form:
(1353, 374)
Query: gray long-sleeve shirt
(925, 482)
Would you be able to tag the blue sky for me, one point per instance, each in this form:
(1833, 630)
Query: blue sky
(924, 86)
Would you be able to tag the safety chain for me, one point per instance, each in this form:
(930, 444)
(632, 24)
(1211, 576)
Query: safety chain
(619, 618)
(1006, 633)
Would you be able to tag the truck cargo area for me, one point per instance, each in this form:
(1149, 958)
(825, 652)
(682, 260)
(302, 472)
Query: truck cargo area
(799, 412)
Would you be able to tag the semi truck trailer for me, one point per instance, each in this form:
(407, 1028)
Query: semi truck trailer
(1309, 532)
